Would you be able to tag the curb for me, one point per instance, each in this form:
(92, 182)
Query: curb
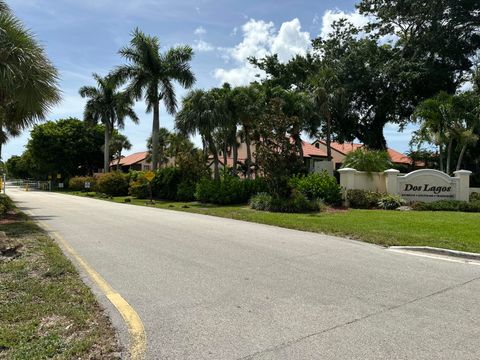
(439, 251)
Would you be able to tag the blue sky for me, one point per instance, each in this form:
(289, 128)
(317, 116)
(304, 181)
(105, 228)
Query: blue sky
(82, 37)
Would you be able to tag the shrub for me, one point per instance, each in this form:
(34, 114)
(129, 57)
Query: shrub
(297, 203)
(448, 205)
(475, 196)
(77, 183)
(390, 202)
(113, 184)
(165, 183)
(6, 205)
(261, 201)
(186, 191)
(139, 190)
(361, 199)
(319, 186)
(229, 190)
(367, 160)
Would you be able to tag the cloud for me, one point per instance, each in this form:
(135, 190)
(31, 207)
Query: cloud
(260, 38)
(330, 16)
(203, 46)
(200, 31)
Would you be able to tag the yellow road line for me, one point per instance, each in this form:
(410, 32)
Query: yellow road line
(138, 338)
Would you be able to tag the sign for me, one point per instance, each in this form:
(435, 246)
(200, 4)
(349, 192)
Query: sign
(60, 185)
(59, 176)
(87, 185)
(49, 177)
(427, 185)
(149, 175)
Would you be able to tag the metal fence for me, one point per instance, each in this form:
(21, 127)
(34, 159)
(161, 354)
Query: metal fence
(31, 185)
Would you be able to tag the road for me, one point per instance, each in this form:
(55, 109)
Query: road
(212, 288)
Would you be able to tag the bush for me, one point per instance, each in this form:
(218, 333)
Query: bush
(390, 202)
(6, 205)
(229, 190)
(77, 183)
(367, 160)
(475, 196)
(448, 205)
(165, 183)
(319, 186)
(139, 190)
(361, 199)
(113, 184)
(186, 191)
(297, 203)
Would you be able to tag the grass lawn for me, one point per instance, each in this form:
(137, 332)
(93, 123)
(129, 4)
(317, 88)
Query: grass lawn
(451, 230)
(46, 311)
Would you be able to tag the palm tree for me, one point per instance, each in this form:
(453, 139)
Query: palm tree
(330, 101)
(151, 75)
(163, 144)
(118, 143)
(108, 105)
(202, 113)
(28, 80)
(248, 105)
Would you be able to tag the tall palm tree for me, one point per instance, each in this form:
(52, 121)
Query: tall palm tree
(151, 75)
(108, 105)
(28, 80)
(202, 113)
(163, 143)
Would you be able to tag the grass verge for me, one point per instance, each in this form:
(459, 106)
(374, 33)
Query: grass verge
(46, 311)
(449, 230)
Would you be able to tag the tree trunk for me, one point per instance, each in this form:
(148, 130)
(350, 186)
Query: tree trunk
(460, 157)
(235, 156)
(225, 150)
(329, 138)
(449, 156)
(106, 150)
(440, 155)
(155, 130)
(118, 161)
(248, 162)
(213, 150)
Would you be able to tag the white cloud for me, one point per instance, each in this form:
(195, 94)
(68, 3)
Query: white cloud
(199, 31)
(330, 16)
(203, 46)
(260, 38)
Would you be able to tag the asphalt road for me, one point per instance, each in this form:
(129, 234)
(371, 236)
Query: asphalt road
(212, 288)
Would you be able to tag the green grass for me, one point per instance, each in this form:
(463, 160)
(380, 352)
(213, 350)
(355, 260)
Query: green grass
(46, 311)
(450, 230)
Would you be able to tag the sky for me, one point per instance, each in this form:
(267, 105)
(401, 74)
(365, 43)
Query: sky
(83, 37)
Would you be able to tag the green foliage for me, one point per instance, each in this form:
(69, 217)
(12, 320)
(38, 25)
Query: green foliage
(390, 202)
(361, 199)
(6, 205)
(186, 191)
(139, 189)
(113, 184)
(475, 196)
(448, 205)
(367, 160)
(18, 167)
(165, 184)
(318, 186)
(297, 203)
(69, 147)
(229, 190)
(77, 183)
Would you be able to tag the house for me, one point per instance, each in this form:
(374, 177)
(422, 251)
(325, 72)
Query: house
(339, 151)
(137, 161)
(315, 159)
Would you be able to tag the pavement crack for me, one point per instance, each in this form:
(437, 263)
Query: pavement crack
(353, 321)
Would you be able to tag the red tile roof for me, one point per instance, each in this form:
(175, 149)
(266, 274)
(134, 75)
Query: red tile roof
(131, 159)
(395, 156)
(310, 150)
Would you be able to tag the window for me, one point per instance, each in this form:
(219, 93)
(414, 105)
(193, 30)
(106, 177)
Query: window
(317, 145)
(146, 167)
